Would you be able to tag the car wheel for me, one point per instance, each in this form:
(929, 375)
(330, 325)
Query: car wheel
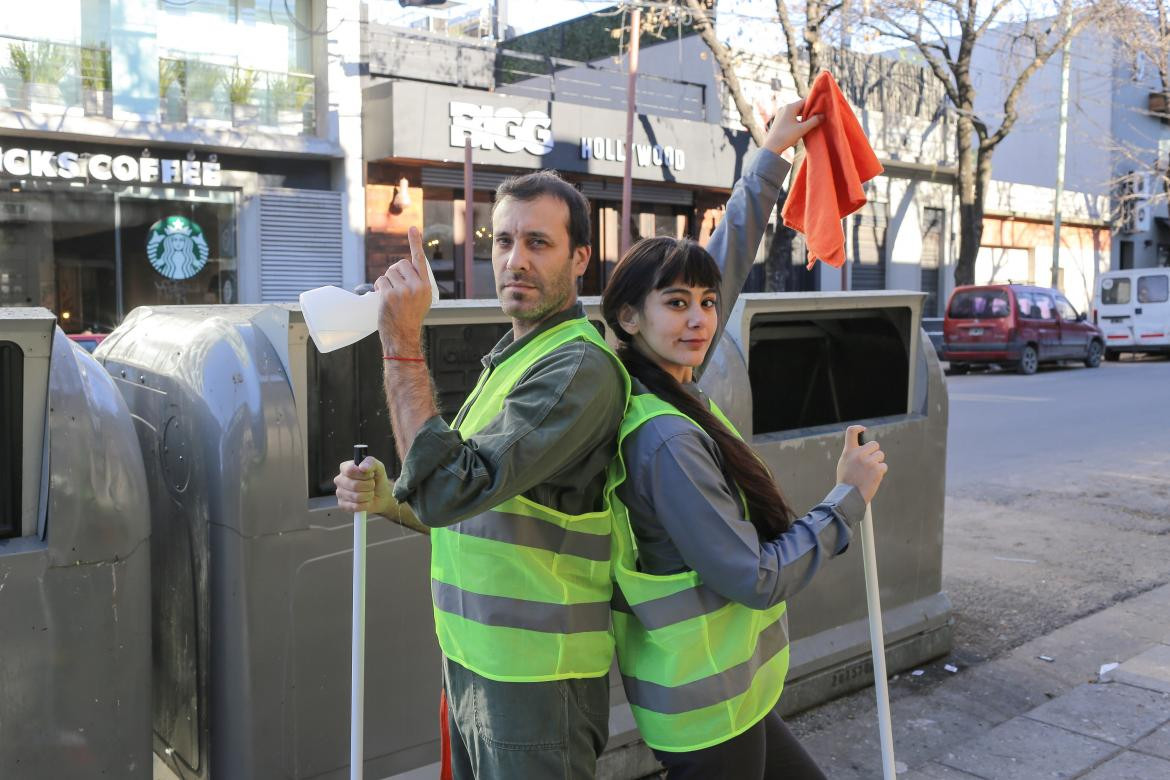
(958, 368)
(1029, 360)
(1112, 355)
(1093, 356)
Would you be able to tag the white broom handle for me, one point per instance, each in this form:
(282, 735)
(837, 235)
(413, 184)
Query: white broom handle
(877, 645)
(357, 680)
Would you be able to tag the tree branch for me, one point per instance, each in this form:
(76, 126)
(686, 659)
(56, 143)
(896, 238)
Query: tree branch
(994, 12)
(790, 42)
(727, 67)
(1041, 57)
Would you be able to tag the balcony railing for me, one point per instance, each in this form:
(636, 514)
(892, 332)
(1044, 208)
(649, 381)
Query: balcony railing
(221, 95)
(54, 78)
(57, 78)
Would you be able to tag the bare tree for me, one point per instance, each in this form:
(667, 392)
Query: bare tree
(806, 27)
(810, 21)
(1029, 42)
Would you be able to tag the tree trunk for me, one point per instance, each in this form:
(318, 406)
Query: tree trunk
(970, 206)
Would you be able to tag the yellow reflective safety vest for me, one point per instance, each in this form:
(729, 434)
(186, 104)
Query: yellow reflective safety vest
(521, 592)
(698, 668)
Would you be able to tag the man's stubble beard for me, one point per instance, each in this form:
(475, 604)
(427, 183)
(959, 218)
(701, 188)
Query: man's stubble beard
(552, 300)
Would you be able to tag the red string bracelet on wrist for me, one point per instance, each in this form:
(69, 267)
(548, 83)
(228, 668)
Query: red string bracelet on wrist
(404, 359)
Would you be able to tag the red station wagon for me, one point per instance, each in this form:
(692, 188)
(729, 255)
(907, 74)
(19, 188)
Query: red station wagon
(1016, 324)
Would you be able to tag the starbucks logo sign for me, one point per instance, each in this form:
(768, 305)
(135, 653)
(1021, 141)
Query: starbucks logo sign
(176, 248)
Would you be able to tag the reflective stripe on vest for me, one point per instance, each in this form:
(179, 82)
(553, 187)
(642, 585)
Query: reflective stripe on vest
(698, 668)
(521, 592)
(708, 691)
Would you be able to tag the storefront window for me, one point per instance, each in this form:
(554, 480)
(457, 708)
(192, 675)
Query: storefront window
(443, 231)
(648, 221)
(91, 253)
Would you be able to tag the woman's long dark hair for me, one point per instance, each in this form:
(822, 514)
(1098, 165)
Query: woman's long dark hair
(655, 264)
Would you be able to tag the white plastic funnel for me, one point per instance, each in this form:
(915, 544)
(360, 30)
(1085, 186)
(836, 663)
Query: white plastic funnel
(338, 318)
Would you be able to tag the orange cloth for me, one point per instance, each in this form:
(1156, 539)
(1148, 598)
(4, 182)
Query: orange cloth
(837, 160)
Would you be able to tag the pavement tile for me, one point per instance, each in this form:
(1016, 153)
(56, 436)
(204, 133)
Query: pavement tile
(1081, 648)
(922, 727)
(1024, 749)
(936, 771)
(1157, 744)
(1150, 669)
(1006, 687)
(1130, 766)
(1112, 712)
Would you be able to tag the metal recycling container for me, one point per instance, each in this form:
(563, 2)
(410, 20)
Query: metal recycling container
(243, 424)
(74, 563)
(793, 372)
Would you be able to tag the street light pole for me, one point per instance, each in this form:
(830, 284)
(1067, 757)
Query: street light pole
(468, 221)
(627, 184)
(1061, 145)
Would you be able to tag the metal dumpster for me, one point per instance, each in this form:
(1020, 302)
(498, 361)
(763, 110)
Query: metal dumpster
(244, 424)
(795, 370)
(74, 563)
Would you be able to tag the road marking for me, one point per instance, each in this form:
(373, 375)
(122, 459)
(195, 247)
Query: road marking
(996, 398)
(1014, 560)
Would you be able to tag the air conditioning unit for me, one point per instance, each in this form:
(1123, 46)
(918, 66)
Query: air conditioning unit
(1143, 217)
(1142, 185)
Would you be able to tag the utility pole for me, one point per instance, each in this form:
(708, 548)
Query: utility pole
(627, 184)
(1061, 145)
(468, 221)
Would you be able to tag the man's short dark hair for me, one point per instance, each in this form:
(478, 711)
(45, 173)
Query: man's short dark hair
(531, 186)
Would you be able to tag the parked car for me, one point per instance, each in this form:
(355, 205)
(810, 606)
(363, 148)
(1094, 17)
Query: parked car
(1133, 311)
(1016, 324)
(88, 341)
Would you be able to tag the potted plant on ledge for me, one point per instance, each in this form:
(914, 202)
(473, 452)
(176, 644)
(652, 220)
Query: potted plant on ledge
(207, 96)
(291, 97)
(172, 90)
(42, 66)
(95, 81)
(241, 85)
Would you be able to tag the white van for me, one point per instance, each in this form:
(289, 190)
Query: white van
(1133, 310)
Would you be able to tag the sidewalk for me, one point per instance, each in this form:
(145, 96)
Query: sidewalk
(1021, 716)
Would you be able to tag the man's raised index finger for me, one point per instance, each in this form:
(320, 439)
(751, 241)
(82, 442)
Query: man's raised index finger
(418, 258)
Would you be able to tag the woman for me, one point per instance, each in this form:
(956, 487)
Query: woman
(707, 548)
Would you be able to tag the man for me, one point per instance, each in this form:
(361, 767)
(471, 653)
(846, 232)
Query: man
(516, 489)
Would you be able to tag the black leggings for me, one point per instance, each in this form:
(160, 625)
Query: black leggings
(766, 751)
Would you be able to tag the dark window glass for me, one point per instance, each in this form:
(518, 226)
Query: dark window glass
(1066, 310)
(979, 304)
(1153, 289)
(1046, 307)
(932, 238)
(1126, 261)
(831, 358)
(869, 247)
(347, 404)
(1115, 291)
(12, 424)
(1026, 305)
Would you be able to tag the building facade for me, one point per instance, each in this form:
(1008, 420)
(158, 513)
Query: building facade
(523, 109)
(164, 153)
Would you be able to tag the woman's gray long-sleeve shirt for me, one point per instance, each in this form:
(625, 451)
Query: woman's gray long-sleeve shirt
(686, 514)
(684, 508)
